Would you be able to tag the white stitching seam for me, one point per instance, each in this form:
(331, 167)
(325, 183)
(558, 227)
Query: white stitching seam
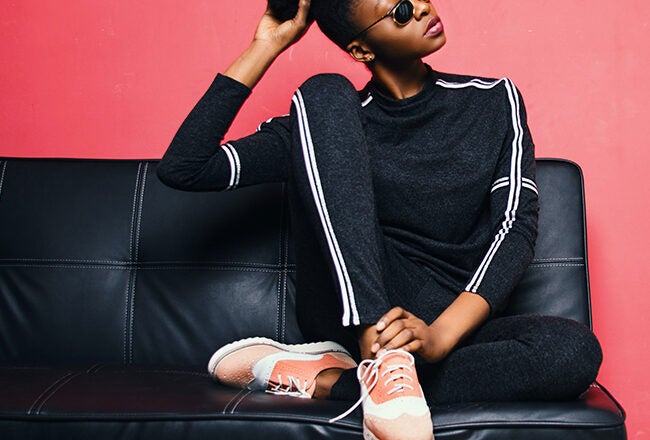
(234, 407)
(278, 305)
(159, 263)
(2, 176)
(285, 257)
(237, 396)
(285, 274)
(535, 266)
(50, 391)
(89, 266)
(128, 283)
(535, 260)
(278, 302)
(135, 259)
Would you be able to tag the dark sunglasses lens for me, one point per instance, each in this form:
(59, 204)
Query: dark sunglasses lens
(404, 12)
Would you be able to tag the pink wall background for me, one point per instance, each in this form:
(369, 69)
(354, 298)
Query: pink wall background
(114, 79)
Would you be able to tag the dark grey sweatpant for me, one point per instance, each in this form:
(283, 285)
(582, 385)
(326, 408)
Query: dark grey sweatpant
(348, 273)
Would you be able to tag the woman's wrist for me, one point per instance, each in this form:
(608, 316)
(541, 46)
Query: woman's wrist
(440, 343)
(453, 325)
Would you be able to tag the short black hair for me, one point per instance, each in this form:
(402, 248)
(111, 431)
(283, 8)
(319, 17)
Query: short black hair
(333, 17)
(285, 10)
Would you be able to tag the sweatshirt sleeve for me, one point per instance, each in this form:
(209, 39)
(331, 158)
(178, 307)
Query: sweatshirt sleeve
(198, 159)
(513, 210)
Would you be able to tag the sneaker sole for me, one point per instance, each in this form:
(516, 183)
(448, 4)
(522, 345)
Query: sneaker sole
(308, 348)
(369, 435)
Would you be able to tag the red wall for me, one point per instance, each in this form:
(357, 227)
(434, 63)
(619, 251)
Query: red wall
(114, 79)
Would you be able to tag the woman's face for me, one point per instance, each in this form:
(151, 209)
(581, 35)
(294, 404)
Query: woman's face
(389, 41)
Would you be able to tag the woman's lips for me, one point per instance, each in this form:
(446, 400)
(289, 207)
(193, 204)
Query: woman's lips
(434, 27)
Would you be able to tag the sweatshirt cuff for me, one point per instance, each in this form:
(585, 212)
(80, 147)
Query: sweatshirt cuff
(227, 82)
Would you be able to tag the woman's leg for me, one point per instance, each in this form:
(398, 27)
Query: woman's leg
(508, 359)
(516, 358)
(338, 240)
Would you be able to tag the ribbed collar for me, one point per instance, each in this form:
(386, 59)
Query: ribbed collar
(388, 102)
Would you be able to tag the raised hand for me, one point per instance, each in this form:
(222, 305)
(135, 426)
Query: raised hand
(282, 34)
(272, 37)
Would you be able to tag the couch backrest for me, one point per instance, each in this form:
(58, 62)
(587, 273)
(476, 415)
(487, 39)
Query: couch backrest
(557, 282)
(101, 263)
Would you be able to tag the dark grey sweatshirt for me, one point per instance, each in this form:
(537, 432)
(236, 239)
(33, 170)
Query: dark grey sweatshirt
(453, 170)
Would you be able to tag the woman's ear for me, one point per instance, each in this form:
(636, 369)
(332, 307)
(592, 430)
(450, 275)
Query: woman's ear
(360, 52)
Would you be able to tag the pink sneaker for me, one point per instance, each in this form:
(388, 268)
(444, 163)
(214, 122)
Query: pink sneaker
(264, 364)
(393, 402)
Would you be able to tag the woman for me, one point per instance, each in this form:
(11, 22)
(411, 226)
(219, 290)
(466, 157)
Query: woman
(414, 212)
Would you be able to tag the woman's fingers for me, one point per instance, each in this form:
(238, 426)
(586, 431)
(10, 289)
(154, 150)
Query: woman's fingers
(399, 329)
(395, 330)
(400, 339)
(392, 315)
(281, 35)
(303, 12)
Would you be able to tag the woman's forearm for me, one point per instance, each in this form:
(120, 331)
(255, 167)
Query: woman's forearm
(460, 319)
(251, 65)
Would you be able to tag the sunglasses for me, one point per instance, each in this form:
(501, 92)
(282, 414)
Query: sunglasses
(402, 13)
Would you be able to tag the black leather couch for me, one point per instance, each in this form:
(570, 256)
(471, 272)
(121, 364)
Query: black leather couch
(115, 290)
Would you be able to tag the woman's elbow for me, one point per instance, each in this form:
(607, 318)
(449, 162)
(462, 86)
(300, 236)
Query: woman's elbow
(168, 175)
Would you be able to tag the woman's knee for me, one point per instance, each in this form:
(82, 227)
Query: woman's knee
(584, 346)
(330, 87)
(576, 340)
(570, 354)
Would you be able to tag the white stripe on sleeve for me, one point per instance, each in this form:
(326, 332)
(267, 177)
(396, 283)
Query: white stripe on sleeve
(235, 165)
(513, 181)
(504, 182)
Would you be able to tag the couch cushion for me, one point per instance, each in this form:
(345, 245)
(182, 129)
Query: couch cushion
(100, 262)
(129, 402)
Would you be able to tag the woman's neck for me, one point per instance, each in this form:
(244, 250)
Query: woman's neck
(402, 81)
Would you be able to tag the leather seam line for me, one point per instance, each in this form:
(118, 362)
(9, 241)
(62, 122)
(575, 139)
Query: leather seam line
(536, 266)
(176, 372)
(543, 260)
(278, 304)
(239, 401)
(542, 424)
(127, 296)
(134, 268)
(285, 260)
(50, 391)
(281, 296)
(2, 176)
(89, 266)
(265, 417)
(141, 264)
(231, 401)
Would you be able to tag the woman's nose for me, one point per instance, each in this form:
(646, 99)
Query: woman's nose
(421, 8)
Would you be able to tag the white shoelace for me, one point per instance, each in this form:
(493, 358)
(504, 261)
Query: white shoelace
(370, 377)
(293, 388)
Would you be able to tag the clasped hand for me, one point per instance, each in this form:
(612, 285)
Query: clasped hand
(400, 329)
